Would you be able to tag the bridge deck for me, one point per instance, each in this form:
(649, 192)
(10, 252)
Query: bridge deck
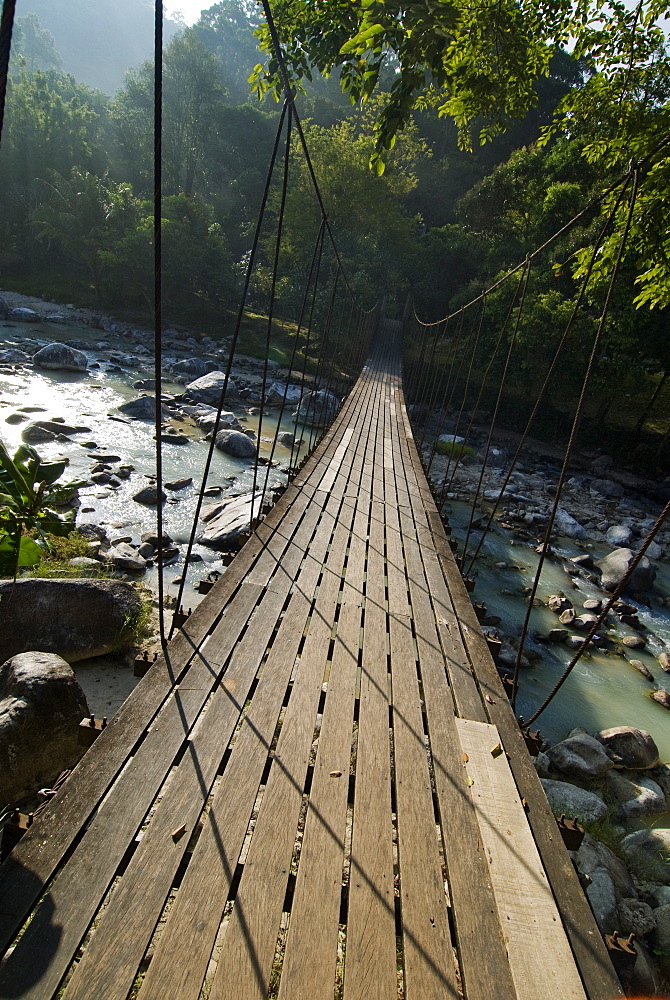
(309, 799)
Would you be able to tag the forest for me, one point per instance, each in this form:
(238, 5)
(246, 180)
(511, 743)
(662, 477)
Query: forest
(425, 200)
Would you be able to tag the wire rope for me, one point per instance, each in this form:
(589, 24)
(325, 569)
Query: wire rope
(158, 308)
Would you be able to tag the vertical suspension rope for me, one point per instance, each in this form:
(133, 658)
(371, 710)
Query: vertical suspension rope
(158, 313)
(597, 340)
(271, 309)
(6, 30)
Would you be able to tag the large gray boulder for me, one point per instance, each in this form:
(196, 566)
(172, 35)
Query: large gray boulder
(619, 536)
(565, 524)
(142, 408)
(613, 567)
(23, 315)
(276, 392)
(36, 434)
(76, 619)
(41, 706)
(634, 798)
(573, 801)
(629, 748)
(228, 522)
(190, 368)
(647, 853)
(607, 488)
(609, 882)
(208, 388)
(235, 443)
(60, 356)
(318, 408)
(580, 756)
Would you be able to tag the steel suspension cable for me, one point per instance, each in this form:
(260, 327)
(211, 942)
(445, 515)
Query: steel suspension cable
(271, 308)
(446, 403)
(425, 380)
(158, 306)
(575, 424)
(545, 385)
(623, 583)
(319, 366)
(433, 390)
(524, 287)
(232, 349)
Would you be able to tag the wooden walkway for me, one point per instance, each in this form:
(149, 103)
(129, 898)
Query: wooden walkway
(321, 794)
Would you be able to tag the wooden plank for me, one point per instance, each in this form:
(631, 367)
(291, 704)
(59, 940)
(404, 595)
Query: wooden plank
(184, 949)
(247, 952)
(109, 964)
(73, 899)
(308, 971)
(370, 963)
(528, 913)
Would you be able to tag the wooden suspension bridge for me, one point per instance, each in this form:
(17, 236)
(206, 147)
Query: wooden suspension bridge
(321, 791)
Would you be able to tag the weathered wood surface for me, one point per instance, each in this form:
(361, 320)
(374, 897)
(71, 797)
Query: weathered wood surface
(283, 807)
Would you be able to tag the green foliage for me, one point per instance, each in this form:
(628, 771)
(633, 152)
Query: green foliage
(455, 450)
(29, 502)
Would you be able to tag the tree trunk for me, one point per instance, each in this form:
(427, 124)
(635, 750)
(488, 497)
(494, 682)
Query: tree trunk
(650, 405)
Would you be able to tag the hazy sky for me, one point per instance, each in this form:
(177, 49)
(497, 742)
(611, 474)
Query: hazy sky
(189, 8)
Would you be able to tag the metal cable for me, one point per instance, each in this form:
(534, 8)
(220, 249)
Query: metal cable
(575, 425)
(158, 305)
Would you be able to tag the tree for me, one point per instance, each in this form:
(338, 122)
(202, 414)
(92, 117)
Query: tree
(33, 46)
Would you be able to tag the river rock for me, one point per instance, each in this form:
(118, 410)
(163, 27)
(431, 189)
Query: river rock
(318, 408)
(593, 605)
(228, 524)
(190, 368)
(661, 696)
(60, 357)
(179, 484)
(580, 756)
(41, 706)
(664, 661)
(76, 619)
(607, 488)
(633, 641)
(636, 917)
(208, 388)
(643, 669)
(642, 797)
(125, 557)
(142, 408)
(567, 617)
(557, 635)
(275, 394)
(565, 524)
(629, 748)
(574, 801)
(23, 315)
(149, 496)
(601, 464)
(35, 434)
(619, 536)
(647, 853)
(14, 357)
(609, 881)
(558, 603)
(613, 567)
(235, 443)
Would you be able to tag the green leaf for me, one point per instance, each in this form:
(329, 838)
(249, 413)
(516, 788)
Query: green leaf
(30, 552)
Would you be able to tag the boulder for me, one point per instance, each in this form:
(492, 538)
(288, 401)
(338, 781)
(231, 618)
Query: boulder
(593, 855)
(228, 522)
(318, 408)
(661, 696)
(643, 669)
(653, 551)
(580, 756)
(664, 661)
(601, 464)
(125, 557)
(619, 536)
(275, 394)
(61, 357)
(149, 496)
(235, 443)
(633, 641)
(76, 619)
(41, 706)
(190, 368)
(286, 438)
(629, 748)
(207, 420)
(636, 917)
(23, 315)
(614, 566)
(142, 408)
(36, 434)
(558, 604)
(565, 524)
(14, 357)
(633, 799)
(208, 388)
(574, 801)
(647, 853)
(607, 488)
(179, 484)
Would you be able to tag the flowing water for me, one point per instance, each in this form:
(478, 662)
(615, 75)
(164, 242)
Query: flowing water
(89, 399)
(602, 690)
